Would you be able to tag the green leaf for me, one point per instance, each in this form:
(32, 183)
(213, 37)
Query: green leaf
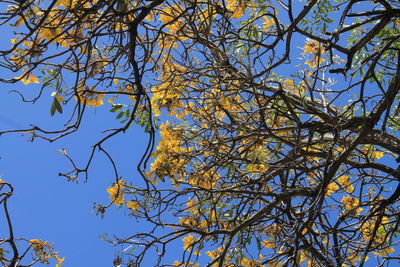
(52, 109)
(147, 127)
(57, 105)
(116, 107)
(120, 115)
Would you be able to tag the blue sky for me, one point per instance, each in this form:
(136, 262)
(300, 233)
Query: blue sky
(46, 206)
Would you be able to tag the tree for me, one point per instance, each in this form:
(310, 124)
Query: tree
(278, 121)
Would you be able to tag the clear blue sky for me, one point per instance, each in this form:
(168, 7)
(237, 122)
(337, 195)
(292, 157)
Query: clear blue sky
(46, 206)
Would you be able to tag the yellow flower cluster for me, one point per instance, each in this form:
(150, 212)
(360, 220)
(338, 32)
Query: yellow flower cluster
(168, 161)
(167, 93)
(371, 152)
(238, 7)
(268, 22)
(188, 241)
(204, 178)
(351, 204)
(53, 31)
(116, 192)
(27, 80)
(214, 253)
(175, 25)
(345, 184)
(193, 222)
(315, 49)
(132, 205)
(331, 188)
(117, 196)
(381, 235)
(91, 99)
(250, 263)
(44, 251)
(67, 3)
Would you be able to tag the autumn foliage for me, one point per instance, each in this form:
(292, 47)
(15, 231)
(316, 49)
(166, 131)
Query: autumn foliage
(273, 125)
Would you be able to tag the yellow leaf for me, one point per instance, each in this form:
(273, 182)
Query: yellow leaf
(30, 79)
(188, 241)
(269, 244)
(313, 47)
(332, 187)
(67, 3)
(19, 22)
(351, 203)
(132, 205)
(91, 98)
(237, 7)
(117, 192)
(59, 261)
(267, 23)
(377, 155)
(345, 183)
(245, 262)
(36, 243)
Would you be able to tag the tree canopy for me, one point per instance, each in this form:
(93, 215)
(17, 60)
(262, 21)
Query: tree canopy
(273, 125)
